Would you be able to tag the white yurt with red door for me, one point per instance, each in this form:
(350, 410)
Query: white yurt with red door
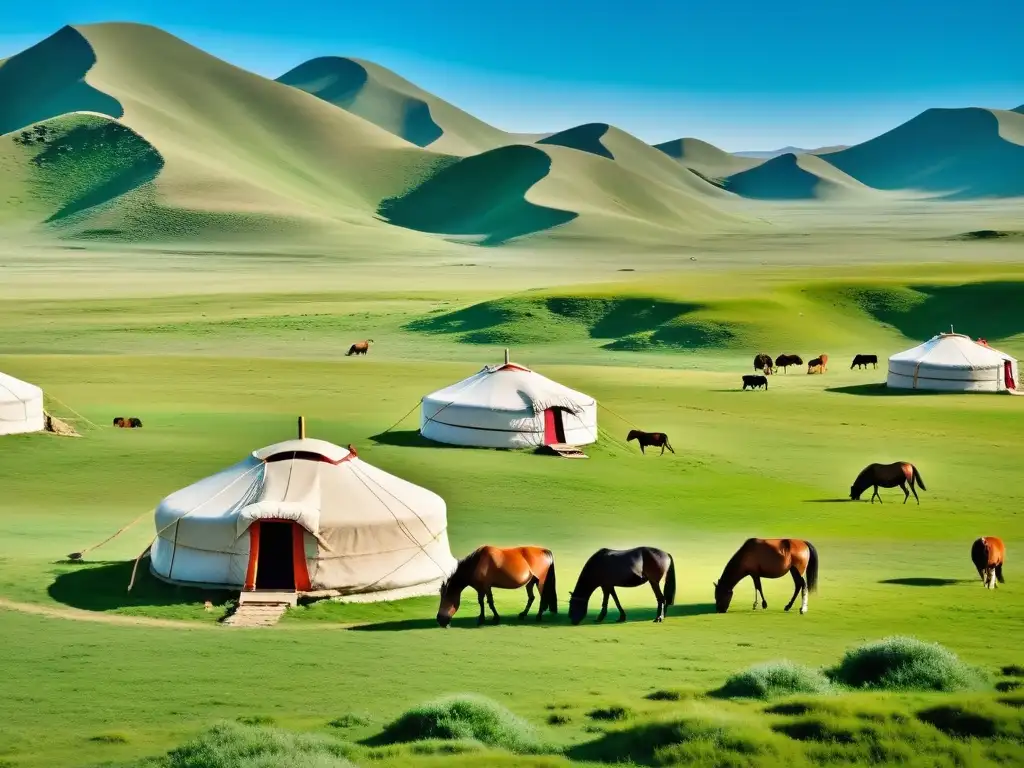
(953, 362)
(306, 516)
(508, 406)
(21, 406)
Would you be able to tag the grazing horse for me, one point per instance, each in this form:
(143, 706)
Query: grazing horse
(129, 423)
(784, 361)
(769, 559)
(900, 473)
(511, 568)
(762, 361)
(657, 439)
(988, 554)
(359, 348)
(863, 361)
(754, 382)
(820, 362)
(608, 568)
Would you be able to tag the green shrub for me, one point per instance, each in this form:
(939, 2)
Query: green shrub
(610, 713)
(774, 679)
(905, 663)
(976, 719)
(232, 745)
(465, 717)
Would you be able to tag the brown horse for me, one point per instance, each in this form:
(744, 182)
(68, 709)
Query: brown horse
(128, 423)
(359, 348)
(657, 439)
(988, 554)
(900, 473)
(769, 559)
(489, 567)
(608, 568)
(762, 362)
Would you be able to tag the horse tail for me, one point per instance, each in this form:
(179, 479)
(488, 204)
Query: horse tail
(917, 478)
(549, 595)
(812, 568)
(670, 582)
(999, 573)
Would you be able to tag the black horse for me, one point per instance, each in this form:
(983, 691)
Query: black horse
(609, 568)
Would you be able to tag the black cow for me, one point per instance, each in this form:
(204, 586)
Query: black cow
(863, 361)
(755, 381)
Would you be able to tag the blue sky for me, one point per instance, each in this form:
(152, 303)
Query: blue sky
(739, 73)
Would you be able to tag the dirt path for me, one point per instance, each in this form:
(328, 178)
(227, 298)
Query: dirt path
(76, 614)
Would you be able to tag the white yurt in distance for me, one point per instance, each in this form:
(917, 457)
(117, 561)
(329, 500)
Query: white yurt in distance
(21, 406)
(953, 362)
(508, 406)
(307, 516)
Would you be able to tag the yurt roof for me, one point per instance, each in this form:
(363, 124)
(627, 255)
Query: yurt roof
(511, 387)
(16, 390)
(953, 350)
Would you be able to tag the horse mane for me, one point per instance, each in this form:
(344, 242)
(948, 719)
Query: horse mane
(463, 569)
(734, 561)
(862, 478)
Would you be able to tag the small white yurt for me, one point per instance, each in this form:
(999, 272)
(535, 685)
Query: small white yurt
(21, 406)
(953, 362)
(508, 406)
(306, 516)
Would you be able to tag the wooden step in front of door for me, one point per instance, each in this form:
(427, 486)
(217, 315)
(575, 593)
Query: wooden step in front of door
(261, 608)
(564, 450)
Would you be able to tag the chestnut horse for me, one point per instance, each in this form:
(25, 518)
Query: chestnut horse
(657, 439)
(899, 473)
(988, 554)
(511, 568)
(769, 559)
(608, 568)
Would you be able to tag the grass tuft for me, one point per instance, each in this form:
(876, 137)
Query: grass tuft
(975, 720)
(231, 745)
(905, 663)
(348, 720)
(613, 713)
(110, 738)
(772, 680)
(665, 696)
(465, 717)
(1013, 670)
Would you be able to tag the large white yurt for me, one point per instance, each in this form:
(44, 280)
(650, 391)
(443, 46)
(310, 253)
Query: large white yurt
(953, 362)
(308, 516)
(508, 406)
(21, 406)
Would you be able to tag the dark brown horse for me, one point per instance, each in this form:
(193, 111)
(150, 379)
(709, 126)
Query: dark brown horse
(769, 559)
(863, 361)
(608, 568)
(763, 362)
(657, 439)
(988, 554)
(490, 567)
(784, 361)
(127, 423)
(359, 348)
(900, 473)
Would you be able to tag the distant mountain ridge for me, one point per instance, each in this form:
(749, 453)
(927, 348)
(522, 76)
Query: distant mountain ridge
(124, 132)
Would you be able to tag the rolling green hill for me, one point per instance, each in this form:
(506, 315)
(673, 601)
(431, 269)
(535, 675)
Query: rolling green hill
(796, 177)
(955, 153)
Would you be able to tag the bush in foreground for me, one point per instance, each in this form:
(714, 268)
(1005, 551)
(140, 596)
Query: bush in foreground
(774, 679)
(905, 663)
(465, 717)
(232, 745)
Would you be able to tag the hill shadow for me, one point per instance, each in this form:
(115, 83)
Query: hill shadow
(411, 438)
(827, 501)
(460, 622)
(584, 138)
(103, 586)
(873, 390)
(923, 581)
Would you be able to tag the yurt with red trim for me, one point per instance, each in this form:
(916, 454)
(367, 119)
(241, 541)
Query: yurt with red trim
(306, 516)
(508, 406)
(953, 362)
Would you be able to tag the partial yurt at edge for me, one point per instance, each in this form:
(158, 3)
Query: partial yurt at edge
(508, 406)
(21, 406)
(307, 516)
(953, 362)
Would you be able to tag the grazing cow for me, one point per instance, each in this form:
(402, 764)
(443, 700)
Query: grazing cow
(755, 381)
(784, 361)
(863, 361)
(820, 363)
(762, 361)
(359, 348)
(657, 439)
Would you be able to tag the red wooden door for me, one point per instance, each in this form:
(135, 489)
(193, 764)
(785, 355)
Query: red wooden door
(550, 431)
(1008, 373)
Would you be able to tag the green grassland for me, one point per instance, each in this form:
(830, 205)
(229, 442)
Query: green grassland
(98, 678)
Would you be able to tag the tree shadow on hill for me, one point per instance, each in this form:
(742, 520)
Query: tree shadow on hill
(924, 581)
(103, 586)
